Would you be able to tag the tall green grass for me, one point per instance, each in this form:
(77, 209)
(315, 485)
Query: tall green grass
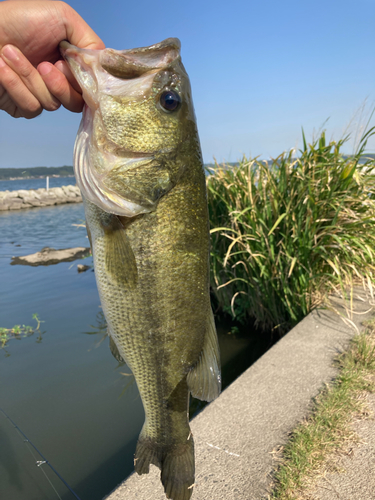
(286, 233)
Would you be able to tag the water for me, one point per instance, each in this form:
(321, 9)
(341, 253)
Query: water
(36, 183)
(65, 391)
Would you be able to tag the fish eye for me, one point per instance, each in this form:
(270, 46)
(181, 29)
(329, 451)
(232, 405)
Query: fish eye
(170, 100)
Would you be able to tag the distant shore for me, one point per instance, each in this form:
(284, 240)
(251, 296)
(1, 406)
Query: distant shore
(35, 177)
(35, 172)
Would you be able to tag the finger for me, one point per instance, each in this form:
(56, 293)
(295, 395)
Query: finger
(29, 76)
(59, 86)
(16, 99)
(79, 32)
(6, 103)
(65, 70)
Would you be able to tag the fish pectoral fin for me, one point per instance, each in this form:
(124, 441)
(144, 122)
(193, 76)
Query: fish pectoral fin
(89, 235)
(120, 261)
(114, 350)
(204, 379)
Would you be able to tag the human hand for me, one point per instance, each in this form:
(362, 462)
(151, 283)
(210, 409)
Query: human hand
(33, 75)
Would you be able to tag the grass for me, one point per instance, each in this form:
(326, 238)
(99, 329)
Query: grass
(288, 232)
(328, 429)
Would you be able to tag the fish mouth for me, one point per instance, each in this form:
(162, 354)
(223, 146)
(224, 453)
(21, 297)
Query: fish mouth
(130, 63)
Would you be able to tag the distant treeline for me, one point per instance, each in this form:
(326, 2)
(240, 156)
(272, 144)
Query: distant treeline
(17, 173)
(65, 171)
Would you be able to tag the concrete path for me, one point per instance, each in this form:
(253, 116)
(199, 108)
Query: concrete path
(236, 435)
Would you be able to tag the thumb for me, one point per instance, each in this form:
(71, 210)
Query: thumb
(78, 32)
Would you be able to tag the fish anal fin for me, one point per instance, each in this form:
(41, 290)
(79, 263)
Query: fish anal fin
(114, 351)
(120, 261)
(204, 379)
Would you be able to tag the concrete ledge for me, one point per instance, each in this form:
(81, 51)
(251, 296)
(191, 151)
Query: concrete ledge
(236, 435)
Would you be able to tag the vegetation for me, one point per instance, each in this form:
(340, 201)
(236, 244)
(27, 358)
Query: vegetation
(20, 331)
(285, 233)
(12, 173)
(327, 430)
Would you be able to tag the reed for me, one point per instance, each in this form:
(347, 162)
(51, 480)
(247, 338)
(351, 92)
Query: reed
(287, 232)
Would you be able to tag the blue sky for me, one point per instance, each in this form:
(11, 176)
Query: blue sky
(260, 70)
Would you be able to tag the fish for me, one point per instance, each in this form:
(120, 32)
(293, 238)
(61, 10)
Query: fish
(138, 164)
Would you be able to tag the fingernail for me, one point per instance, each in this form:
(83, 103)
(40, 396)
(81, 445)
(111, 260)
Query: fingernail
(2, 63)
(44, 69)
(10, 53)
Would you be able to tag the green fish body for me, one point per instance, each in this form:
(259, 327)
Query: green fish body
(139, 166)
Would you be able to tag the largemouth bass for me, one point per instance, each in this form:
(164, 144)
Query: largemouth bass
(138, 164)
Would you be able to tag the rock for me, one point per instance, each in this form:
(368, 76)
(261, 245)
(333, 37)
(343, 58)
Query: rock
(47, 201)
(14, 200)
(34, 194)
(81, 268)
(66, 190)
(28, 200)
(49, 195)
(72, 191)
(36, 203)
(3, 194)
(59, 192)
(15, 206)
(23, 193)
(49, 256)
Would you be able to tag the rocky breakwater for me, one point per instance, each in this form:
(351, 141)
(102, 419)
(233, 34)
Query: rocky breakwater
(15, 200)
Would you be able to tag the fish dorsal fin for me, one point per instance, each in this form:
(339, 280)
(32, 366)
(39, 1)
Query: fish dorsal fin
(114, 351)
(120, 261)
(204, 379)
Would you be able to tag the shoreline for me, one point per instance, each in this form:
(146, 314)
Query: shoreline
(23, 198)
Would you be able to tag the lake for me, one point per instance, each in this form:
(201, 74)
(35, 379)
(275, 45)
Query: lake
(63, 388)
(36, 183)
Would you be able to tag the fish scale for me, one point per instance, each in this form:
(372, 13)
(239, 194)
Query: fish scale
(140, 171)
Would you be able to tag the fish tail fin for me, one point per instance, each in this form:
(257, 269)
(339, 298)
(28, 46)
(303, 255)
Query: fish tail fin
(178, 471)
(175, 461)
(147, 452)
